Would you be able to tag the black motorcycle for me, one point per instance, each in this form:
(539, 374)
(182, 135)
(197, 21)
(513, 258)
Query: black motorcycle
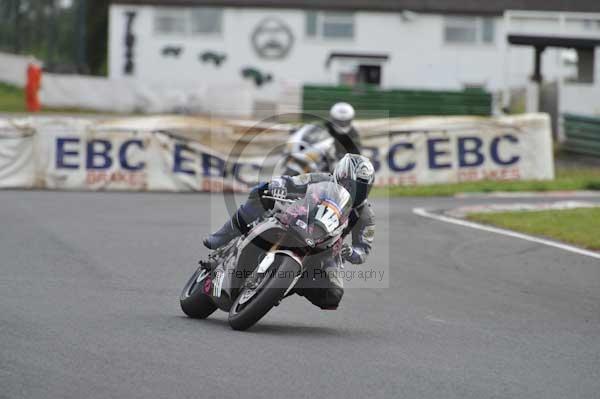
(253, 273)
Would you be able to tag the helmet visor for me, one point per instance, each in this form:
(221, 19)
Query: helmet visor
(359, 189)
(342, 126)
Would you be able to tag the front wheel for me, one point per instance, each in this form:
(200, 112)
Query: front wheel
(254, 302)
(193, 300)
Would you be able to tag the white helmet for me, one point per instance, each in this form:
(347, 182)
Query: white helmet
(356, 174)
(341, 116)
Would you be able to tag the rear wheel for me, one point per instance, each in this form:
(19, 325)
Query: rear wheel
(193, 301)
(256, 300)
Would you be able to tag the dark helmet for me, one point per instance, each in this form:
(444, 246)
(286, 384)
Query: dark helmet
(356, 174)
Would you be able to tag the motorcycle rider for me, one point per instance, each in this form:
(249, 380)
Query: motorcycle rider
(356, 174)
(339, 126)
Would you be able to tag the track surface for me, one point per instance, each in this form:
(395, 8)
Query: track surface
(89, 286)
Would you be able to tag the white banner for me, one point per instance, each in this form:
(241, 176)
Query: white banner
(129, 95)
(13, 68)
(17, 160)
(199, 154)
(133, 95)
(432, 150)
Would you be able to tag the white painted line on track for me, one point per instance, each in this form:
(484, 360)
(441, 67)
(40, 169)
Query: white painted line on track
(531, 194)
(423, 212)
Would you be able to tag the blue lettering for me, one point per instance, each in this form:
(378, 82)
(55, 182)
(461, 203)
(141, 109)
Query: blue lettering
(474, 150)
(61, 153)
(93, 155)
(123, 155)
(392, 154)
(210, 162)
(237, 173)
(434, 153)
(373, 156)
(494, 150)
(179, 160)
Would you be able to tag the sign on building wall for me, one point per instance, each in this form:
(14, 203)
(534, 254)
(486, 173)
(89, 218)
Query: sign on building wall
(272, 39)
(143, 155)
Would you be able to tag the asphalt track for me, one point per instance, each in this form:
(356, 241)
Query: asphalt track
(89, 286)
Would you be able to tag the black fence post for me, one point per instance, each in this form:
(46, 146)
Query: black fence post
(17, 26)
(81, 36)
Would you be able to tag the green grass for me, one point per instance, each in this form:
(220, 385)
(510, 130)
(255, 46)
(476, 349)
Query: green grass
(566, 179)
(579, 227)
(12, 99)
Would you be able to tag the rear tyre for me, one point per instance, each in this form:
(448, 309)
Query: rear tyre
(193, 301)
(278, 279)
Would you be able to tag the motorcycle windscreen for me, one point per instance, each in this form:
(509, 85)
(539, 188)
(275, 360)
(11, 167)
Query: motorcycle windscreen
(324, 209)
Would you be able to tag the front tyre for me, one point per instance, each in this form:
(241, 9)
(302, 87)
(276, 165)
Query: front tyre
(193, 301)
(252, 304)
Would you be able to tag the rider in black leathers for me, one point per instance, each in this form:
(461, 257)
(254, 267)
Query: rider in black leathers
(353, 172)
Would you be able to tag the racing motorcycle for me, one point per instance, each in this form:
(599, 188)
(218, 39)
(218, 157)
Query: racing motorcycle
(308, 150)
(251, 274)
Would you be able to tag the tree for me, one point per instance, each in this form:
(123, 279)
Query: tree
(66, 35)
(97, 36)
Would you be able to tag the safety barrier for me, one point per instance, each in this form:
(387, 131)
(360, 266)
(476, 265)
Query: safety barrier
(202, 154)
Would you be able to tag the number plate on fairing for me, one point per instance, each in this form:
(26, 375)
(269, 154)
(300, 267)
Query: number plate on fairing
(328, 215)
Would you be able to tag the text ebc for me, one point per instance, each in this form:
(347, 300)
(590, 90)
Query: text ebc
(101, 154)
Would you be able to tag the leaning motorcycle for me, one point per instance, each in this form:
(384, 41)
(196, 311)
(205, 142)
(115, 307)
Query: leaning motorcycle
(308, 150)
(251, 274)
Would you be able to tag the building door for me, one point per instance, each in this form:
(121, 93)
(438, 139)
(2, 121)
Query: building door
(369, 74)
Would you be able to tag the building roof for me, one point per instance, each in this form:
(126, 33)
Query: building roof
(554, 41)
(426, 6)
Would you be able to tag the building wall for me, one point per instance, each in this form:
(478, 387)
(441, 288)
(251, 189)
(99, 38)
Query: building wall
(419, 56)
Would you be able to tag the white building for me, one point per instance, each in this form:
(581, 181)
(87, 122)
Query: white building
(441, 44)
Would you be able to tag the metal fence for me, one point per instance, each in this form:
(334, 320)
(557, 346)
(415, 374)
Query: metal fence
(399, 102)
(582, 134)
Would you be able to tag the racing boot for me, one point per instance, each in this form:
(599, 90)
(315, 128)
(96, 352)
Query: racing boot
(238, 224)
(228, 232)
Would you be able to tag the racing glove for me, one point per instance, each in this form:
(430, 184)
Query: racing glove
(352, 255)
(277, 188)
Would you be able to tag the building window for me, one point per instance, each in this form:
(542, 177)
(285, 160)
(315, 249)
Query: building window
(329, 25)
(469, 30)
(186, 21)
(206, 20)
(591, 24)
(170, 22)
(338, 25)
(311, 23)
(488, 32)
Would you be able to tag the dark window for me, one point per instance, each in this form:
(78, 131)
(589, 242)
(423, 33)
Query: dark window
(369, 74)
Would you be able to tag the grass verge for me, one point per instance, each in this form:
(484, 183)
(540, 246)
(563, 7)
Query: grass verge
(12, 99)
(567, 179)
(579, 227)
